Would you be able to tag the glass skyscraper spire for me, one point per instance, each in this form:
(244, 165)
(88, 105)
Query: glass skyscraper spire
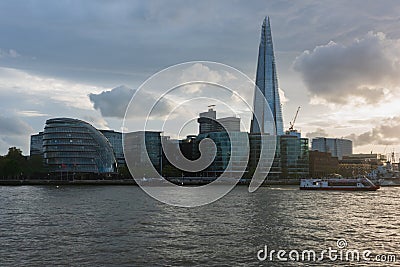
(267, 82)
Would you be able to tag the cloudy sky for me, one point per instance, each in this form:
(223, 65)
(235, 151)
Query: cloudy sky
(338, 60)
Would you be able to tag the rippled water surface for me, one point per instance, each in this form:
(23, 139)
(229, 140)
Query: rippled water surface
(122, 226)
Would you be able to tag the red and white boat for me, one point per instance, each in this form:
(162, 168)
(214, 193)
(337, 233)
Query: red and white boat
(352, 184)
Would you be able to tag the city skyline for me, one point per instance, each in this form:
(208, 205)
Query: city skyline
(340, 64)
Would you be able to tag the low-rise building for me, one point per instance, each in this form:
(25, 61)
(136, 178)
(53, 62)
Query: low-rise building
(322, 164)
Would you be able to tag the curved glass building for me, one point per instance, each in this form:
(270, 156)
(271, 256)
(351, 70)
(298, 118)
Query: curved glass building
(71, 145)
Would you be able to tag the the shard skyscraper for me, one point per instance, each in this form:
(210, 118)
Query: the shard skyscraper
(267, 82)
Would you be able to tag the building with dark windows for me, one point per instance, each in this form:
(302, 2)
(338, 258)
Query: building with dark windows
(267, 82)
(294, 155)
(115, 139)
(255, 141)
(36, 145)
(187, 147)
(75, 146)
(223, 142)
(322, 164)
(143, 151)
(208, 122)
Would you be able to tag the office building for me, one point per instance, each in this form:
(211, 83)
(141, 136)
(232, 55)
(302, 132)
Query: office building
(36, 145)
(208, 122)
(115, 139)
(267, 82)
(230, 124)
(265, 167)
(238, 142)
(322, 164)
(337, 147)
(143, 152)
(294, 156)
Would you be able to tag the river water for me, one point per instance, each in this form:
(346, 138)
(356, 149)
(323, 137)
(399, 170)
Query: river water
(122, 226)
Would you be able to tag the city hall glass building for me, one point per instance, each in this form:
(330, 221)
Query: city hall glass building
(71, 145)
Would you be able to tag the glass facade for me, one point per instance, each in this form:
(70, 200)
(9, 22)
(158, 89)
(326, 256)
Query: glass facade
(222, 140)
(267, 82)
(255, 150)
(338, 147)
(36, 147)
(141, 149)
(115, 139)
(208, 123)
(294, 157)
(71, 145)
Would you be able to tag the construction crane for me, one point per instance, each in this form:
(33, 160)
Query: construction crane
(291, 128)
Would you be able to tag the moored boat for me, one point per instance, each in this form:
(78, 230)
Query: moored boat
(352, 184)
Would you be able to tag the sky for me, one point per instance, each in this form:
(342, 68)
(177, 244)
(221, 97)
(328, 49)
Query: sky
(338, 60)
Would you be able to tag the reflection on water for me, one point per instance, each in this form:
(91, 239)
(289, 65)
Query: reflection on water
(120, 225)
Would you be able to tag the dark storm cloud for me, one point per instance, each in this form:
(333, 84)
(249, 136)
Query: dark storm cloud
(387, 133)
(113, 103)
(364, 68)
(126, 41)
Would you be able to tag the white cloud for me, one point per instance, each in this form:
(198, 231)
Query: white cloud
(386, 133)
(98, 122)
(31, 113)
(200, 73)
(364, 72)
(40, 88)
(319, 132)
(283, 97)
